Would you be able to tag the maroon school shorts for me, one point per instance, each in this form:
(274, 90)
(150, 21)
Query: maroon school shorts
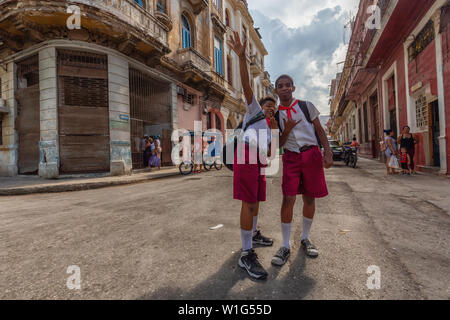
(249, 185)
(303, 173)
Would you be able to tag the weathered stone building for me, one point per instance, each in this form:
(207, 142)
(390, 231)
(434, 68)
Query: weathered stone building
(80, 98)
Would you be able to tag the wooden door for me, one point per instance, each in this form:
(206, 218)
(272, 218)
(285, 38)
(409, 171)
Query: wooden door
(28, 124)
(435, 133)
(83, 112)
(28, 115)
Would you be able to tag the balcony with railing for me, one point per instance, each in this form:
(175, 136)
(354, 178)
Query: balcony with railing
(198, 5)
(189, 58)
(255, 66)
(266, 79)
(106, 22)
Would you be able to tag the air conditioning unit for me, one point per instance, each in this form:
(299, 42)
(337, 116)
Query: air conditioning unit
(181, 91)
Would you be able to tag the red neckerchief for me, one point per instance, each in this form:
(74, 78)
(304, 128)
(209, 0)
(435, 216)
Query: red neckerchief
(289, 109)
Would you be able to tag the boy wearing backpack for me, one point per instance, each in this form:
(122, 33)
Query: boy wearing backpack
(249, 185)
(303, 164)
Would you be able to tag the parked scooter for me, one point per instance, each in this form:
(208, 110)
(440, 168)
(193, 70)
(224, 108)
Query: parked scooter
(350, 156)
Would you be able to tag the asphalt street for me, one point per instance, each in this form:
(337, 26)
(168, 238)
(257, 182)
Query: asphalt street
(153, 240)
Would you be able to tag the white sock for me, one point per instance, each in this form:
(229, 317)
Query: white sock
(286, 230)
(255, 223)
(247, 241)
(306, 227)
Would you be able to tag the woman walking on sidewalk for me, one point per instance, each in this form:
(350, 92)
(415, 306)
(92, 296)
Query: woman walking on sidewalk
(408, 141)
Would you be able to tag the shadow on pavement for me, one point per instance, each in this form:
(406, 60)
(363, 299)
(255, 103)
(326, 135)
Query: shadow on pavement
(229, 282)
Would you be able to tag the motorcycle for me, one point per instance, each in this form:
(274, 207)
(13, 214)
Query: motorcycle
(350, 156)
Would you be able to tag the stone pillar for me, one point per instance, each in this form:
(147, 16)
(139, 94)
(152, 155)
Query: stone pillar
(119, 116)
(9, 148)
(49, 142)
(174, 106)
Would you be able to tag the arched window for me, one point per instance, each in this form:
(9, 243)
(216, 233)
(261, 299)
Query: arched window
(140, 2)
(186, 32)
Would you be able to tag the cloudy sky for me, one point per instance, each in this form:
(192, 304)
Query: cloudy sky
(305, 39)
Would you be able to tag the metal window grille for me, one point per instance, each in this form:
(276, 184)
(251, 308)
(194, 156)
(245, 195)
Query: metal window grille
(149, 105)
(421, 113)
(81, 59)
(423, 39)
(28, 72)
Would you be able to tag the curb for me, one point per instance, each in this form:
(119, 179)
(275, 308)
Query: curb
(80, 186)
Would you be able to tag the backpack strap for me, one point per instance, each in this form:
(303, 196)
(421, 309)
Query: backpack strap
(305, 110)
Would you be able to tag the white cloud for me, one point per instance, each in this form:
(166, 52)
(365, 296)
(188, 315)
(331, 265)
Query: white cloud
(304, 38)
(298, 13)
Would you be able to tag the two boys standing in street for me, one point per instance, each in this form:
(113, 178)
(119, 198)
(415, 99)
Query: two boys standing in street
(303, 166)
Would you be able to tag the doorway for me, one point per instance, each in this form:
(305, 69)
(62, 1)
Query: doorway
(150, 116)
(28, 115)
(83, 112)
(375, 125)
(435, 133)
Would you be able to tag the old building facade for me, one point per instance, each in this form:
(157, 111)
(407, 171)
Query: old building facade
(395, 76)
(78, 95)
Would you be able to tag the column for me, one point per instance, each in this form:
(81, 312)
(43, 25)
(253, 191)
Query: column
(174, 106)
(49, 142)
(119, 116)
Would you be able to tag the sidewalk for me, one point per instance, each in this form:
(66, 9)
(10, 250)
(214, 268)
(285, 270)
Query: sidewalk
(426, 187)
(21, 185)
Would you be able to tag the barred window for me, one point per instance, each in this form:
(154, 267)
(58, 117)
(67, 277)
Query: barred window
(189, 99)
(421, 113)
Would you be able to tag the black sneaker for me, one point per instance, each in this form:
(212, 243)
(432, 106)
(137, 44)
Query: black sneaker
(258, 238)
(310, 250)
(281, 257)
(249, 261)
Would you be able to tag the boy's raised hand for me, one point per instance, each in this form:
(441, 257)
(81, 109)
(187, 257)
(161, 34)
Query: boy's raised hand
(290, 124)
(238, 47)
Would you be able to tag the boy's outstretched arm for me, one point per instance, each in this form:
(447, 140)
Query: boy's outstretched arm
(240, 49)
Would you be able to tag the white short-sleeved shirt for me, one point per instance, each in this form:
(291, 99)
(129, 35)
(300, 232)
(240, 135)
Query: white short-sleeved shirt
(303, 134)
(251, 136)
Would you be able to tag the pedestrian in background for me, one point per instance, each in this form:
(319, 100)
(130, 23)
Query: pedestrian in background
(158, 149)
(147, 152)
(408, 141)
(391, 150)
(405, 161)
